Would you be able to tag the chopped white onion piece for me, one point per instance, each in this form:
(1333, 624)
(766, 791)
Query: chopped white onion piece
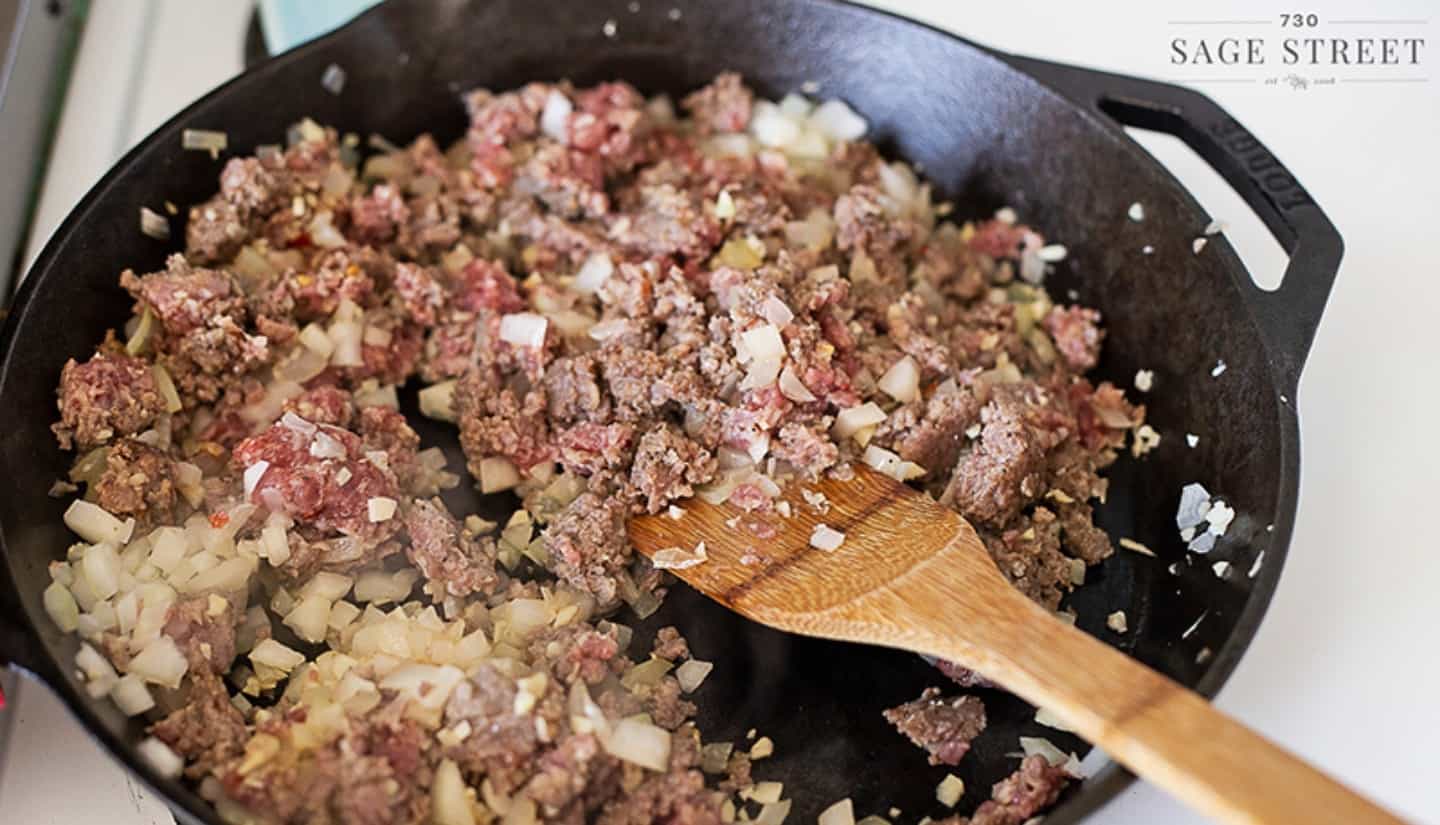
(313, 338)
(227, 576)
(497, 473)
(91, 522)
(524, 329)
(837, 121)
(761, 343)
(776, 312)
(902, 381)
(348, 345)
(252, 475)
(310, 618)
(381, 508)
(606, 330)
(449, 804)
(374, 336)
(323, 232)
(101, 566)
(793, 388)
(160, 757)
(950, 789)
(154, 225)
(160, 662)
(556, 115)
(841, 813)
(771, 126)
(271, 653)
(437, 401)
(1033, 745)
(380, 587)
(593, 274)
(131, 696)
(204, 140)
(692, 673)
(1052, 253)
(851, 421)
(891, 464)
(60, 604)
(675, 558)
(824, 537)
(762, 372)
(639, 742)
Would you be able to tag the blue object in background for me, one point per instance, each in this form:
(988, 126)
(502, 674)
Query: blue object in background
(288, 23)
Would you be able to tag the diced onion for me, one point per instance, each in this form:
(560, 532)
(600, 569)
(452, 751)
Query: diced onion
(374, 336)
(950, 789)
(606, 330)
(323, 232)
(761, 343)
(837, 121)
(438, 401)
(131, 696)
(271, 653)
(891, 464)
(60, 604)
(313, 337)
(793, 388)
(675, 558)
(824, 537)
(381, 508)
(524, 329)
(639, 742)
(253, 474)
(556, 115)
(310, 618)
(379, 587)
(762, 372)
(776, 312)
(91, 522)
(841, 813)
(851, 421)
(347, 337)
(449, 804)
(497, 473)
(328, 586)
(771, 126)
(1033, 745)
(593, 274)
(160, 757)
(902, 381)
(101, 566)
(154, 225)
(229, 575)
(136, 343)
(160, 662)
(99, 675)
(692, 673)
(204, 140)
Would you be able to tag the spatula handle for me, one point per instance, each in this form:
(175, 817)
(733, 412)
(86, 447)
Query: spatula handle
(1157, 728)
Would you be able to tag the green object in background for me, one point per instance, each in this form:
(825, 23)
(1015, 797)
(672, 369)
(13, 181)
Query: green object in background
(288, 23)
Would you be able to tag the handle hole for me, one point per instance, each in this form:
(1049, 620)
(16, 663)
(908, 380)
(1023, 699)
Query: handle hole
(1258, 250)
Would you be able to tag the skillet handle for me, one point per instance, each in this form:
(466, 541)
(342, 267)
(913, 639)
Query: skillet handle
(1289, 314)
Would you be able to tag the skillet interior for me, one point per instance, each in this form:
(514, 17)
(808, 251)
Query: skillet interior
(986, 134)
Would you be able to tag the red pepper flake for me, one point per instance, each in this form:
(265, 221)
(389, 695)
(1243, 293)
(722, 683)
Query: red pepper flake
(218, 520)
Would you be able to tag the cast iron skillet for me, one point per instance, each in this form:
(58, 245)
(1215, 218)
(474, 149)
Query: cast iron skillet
(990, 129)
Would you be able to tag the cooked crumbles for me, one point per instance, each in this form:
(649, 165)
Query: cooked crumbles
(618, 306)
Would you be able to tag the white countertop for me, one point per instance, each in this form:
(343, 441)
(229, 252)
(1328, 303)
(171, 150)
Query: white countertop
(1344, 669)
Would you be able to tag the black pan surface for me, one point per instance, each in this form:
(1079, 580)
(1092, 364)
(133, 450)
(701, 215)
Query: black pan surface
(990, 129)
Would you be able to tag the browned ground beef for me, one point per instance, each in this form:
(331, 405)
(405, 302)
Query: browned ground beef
(615, 308)
(942, 726)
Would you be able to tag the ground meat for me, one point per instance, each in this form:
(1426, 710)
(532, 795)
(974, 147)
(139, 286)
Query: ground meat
(943, 727)
(501, 424)
(1004, 469)
(138, 481)
(665, 221)
(722, 106)
(204, 629)
(667, 467)
(455, 563)
(677, 797)
(1077, 335)
(304, 466)
(1028, 553)
(375, 218)
(111, 394)
(572, 390)
(207, 730)
(325, 404)
(935, 440)
(669, 644)
(502, 742)
(385, 430)
(588, 544)
(421, 293)
(963, 676)
(807, 447)
(1032, 788)
(589, 448)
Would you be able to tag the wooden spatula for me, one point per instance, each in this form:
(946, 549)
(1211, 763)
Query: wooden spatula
(911, 574)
